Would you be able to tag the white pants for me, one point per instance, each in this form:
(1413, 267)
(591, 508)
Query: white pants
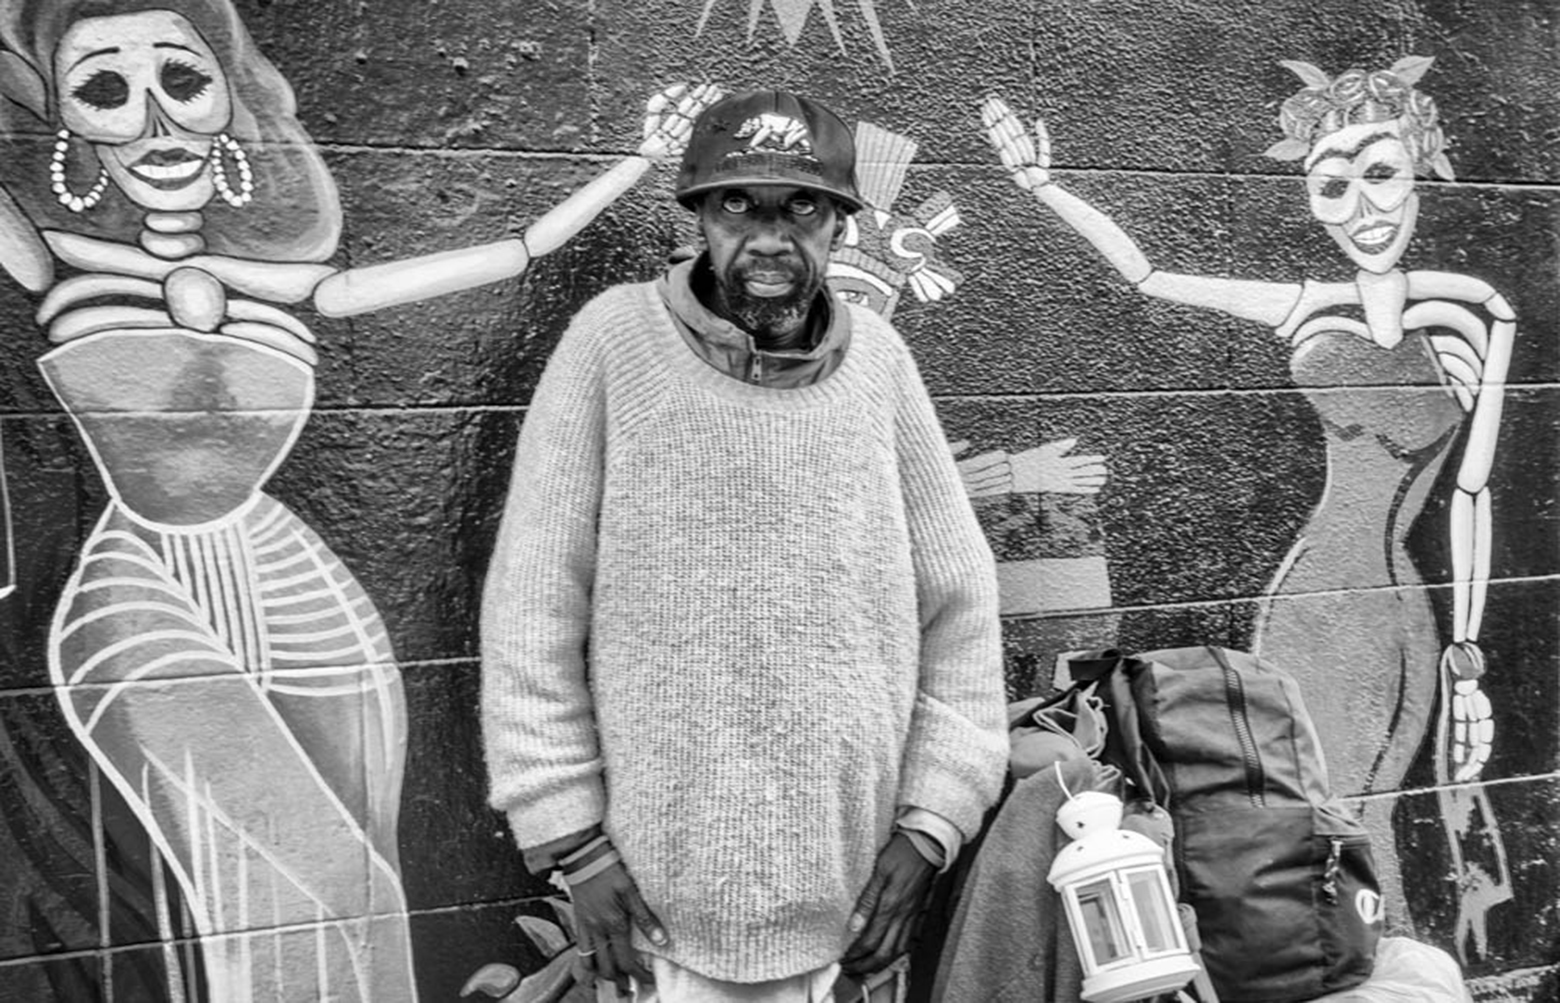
(675, 984)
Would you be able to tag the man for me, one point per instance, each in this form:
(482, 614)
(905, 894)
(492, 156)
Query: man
(741, 671)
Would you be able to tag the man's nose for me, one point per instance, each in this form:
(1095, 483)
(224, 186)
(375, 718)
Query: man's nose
(769, 236)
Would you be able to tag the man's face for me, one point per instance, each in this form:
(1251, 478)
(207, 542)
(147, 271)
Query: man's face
(769, 248)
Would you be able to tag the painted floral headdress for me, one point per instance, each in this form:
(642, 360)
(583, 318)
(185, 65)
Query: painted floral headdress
(1327, 104)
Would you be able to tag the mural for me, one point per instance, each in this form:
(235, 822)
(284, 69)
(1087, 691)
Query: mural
(225, 671)
(1407, 370)
(1035, 504)
(245, 498)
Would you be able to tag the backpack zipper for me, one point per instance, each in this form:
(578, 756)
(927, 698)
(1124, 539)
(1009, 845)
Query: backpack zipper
(1235, 699)
(1331, 871)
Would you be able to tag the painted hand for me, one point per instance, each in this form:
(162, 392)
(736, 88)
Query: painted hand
(669, 118)
(985, 474)
(606, 909)
(885, 914)
(1048, 468)
(1473, 721)
(1027, 159)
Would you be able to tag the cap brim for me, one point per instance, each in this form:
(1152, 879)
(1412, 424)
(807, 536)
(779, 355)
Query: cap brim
(850, 200)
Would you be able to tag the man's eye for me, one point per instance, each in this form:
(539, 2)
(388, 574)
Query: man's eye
(735, 204)
(182, 81)
(103, 90)
(802, 207)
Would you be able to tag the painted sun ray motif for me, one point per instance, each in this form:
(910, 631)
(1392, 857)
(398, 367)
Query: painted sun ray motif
(793, 15)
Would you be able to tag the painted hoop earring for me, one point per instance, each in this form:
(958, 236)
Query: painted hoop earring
(219, 177)
(58, 184)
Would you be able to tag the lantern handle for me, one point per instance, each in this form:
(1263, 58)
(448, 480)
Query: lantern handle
(1057, 766)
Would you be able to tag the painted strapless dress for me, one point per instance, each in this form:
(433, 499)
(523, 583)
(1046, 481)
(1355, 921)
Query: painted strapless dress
(227, 672)
(1348, 613)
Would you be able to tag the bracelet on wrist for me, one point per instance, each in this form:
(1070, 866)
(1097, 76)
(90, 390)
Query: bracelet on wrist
(579, 876)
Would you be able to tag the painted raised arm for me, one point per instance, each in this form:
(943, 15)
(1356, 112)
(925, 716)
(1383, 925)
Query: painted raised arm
(1476, 357)
(668, 121)
(1028, 160)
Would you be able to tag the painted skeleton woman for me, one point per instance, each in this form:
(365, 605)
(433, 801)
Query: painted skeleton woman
(1406, 371)
(223, 668)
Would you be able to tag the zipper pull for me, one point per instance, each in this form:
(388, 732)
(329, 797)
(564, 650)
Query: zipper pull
(1330, 873)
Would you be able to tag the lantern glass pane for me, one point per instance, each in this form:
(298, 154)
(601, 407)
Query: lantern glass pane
(1097, 907)
(1153, 908)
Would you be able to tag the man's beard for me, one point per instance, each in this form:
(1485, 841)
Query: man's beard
(770, 319)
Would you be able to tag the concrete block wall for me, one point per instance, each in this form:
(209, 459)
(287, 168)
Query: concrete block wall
(449, 123)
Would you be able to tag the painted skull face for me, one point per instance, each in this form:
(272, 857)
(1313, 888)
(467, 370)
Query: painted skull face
(1361, 185)
(148, 93)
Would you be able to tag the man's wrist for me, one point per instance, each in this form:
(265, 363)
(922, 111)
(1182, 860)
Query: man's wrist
(545, 857)
(934, 837)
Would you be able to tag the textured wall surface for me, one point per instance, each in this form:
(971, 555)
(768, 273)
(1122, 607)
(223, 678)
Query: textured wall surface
(448, 123)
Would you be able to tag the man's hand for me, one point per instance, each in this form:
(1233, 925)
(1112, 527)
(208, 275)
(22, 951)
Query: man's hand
(886, 912)
(606, 909)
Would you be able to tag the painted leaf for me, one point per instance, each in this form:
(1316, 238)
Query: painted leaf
(549, 985)
(1308, 74)
(1443, 167)
(548, 937)
(1286, 149)
(492, 981)
(22, 84)
(564, 910)
(1410, 68)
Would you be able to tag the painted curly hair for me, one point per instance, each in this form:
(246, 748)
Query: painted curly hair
(1357, 96)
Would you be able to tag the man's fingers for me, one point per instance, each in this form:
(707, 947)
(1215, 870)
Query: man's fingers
(866, 905)
(643, 918)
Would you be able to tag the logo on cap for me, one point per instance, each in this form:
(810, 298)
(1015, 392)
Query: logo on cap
(772, 133)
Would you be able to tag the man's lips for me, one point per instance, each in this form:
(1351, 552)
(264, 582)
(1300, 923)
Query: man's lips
(768, 286)
(168, 169)
(769, 283)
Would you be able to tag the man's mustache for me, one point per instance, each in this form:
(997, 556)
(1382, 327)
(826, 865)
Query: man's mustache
(795, 269)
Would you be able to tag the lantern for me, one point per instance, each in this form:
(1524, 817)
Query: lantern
(1118, 903)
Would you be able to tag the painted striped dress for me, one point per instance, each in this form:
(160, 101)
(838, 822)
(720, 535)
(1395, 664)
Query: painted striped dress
(228, 674)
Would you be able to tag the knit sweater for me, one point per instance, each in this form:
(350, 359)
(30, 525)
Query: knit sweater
(738, 626)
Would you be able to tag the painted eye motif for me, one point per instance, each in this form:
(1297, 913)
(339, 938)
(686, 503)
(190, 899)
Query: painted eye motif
(103, 90)
(183, 82)
(1331, 196)
(1388, 179)
(1332, 188)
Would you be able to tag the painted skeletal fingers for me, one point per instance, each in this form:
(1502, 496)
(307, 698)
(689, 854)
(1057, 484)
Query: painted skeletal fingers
(669, 118)
(1473, 723)
(1027, 158)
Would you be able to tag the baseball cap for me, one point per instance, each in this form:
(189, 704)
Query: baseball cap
(769, 138)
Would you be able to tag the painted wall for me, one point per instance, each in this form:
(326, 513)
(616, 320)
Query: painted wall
(1147, 470)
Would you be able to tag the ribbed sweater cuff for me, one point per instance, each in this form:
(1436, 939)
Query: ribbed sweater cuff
(570, 810)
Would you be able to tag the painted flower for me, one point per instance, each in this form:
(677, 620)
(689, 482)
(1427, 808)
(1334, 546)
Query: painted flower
(1348, 88)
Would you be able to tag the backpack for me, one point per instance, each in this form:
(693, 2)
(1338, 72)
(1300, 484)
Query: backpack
(1278, 872)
